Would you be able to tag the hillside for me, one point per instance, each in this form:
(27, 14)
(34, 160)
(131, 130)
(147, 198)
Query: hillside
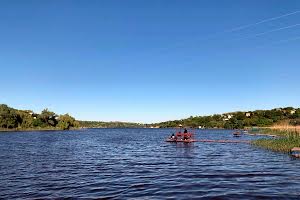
(11, 118)
(238, 120)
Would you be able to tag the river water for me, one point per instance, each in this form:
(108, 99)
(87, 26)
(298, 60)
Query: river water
(138, 164)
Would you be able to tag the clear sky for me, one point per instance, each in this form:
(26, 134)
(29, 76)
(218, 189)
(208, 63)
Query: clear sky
(149, 61)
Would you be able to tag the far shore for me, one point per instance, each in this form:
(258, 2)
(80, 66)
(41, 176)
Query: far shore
(34, 129)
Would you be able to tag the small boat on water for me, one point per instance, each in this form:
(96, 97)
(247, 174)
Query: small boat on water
(186, 137)
(237, 134)
(295, 152)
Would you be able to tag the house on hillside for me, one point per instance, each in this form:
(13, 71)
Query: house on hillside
(248, 114)
(31, 113)
(227, 117)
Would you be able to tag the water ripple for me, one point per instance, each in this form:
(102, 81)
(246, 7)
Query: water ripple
(138, 164)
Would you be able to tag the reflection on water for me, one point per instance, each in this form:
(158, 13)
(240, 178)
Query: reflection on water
(137, 163)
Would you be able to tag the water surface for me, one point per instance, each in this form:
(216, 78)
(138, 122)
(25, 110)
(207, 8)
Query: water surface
(138, 164)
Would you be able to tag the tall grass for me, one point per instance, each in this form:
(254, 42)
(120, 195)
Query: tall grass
(286, 127)
(282, 144)
(280, 132)
(289, 138)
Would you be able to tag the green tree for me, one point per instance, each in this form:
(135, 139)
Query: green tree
(8, 117)
(48, 117)
(25, 120)
(38, 123)
(297, 113)
(65, 122)
(240, 115)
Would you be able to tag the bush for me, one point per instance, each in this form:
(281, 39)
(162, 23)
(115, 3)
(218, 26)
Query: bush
(295, 122)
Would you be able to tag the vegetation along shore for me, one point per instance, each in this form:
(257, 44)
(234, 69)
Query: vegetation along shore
(239, 120)
(288, 139)
(15, 120)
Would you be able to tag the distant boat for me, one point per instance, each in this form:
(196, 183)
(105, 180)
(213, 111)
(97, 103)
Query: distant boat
(237, 134)
(295, 152)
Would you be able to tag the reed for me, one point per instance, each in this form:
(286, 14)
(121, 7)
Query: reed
(286, 127)
(281, 144)
(289, 137)
(280, 132)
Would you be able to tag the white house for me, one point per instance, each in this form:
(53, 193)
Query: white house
(227, 117)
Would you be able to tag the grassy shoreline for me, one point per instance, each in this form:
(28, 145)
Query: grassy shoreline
(282, 144)
(288, 138)
(276, 132)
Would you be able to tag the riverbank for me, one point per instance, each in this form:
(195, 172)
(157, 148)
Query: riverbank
(286, 140)
(284, 130)
(275, 132)
(282, 144)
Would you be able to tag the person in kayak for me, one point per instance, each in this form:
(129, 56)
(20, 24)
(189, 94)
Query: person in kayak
(173, 136)
(185, 135)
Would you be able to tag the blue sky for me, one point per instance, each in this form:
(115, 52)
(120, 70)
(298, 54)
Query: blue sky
(148, 61)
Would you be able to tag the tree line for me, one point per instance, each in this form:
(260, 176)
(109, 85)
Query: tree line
(11, 118)
(238, 120)
(99, 124)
